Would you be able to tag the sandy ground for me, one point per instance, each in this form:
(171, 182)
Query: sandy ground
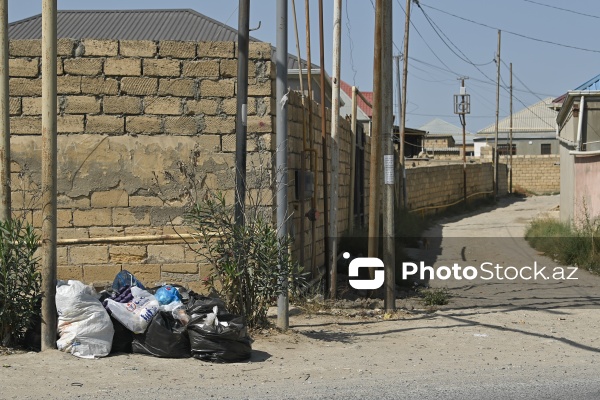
(484, 344)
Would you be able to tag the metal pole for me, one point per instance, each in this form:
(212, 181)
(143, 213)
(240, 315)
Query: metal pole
(403, 114)
(495, 153)
(324, 144)
(401, 182)
(4, 116)
(242, 111)
(335, 148)
(387, 102)
(464, 147)
(281, 138)
(374, 173)
(510, 184)
(352, 162)
(49, 175)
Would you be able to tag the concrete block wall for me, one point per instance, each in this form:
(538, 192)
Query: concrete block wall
(133, 118)
(538, 174)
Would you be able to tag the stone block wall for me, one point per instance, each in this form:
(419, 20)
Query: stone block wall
(535, 174)
(134, 119)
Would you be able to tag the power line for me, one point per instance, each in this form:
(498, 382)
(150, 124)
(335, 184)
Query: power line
(522, 83)
(512, 33)
(563, 9)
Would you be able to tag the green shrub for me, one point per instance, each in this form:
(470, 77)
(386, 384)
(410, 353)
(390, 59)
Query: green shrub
(245, 259)
(435, 297)
(20, 279)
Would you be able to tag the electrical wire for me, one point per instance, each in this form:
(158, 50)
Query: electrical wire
(511, 32)
(563, 9)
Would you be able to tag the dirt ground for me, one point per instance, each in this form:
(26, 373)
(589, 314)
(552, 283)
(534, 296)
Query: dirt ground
(490, 335)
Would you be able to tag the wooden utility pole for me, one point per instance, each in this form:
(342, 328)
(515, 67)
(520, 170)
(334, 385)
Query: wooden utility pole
(335, 147)
(387, 102)
(403, 113)
(352, 162)
(495, 154)
(49, 174)
(510, 152)
(374, 173)
(4, 115)
(326, 207)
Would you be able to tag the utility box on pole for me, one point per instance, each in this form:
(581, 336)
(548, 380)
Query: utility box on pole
(462, 107)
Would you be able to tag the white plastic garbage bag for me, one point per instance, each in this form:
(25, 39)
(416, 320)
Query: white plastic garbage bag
(84, 326)
(137, 314)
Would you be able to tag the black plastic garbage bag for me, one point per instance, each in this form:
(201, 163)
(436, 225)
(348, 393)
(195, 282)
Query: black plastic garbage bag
(122, 339)
(202, 305)
(165, 337)
(221, 343)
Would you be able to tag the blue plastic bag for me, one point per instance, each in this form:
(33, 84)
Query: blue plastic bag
(167, 294)
(125, 278)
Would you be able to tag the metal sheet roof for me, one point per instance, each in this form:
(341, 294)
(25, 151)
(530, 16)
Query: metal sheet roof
(538, 117)
(439, 127)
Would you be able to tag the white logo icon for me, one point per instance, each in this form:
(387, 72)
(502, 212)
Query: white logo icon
(365, 262)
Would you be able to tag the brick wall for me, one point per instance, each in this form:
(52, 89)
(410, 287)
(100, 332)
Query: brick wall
(132, 115)
(535, 174)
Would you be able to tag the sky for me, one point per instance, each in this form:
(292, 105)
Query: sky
(442, 47)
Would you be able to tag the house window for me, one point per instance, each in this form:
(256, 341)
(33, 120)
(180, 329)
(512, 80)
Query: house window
(503, 149)
(546, 148)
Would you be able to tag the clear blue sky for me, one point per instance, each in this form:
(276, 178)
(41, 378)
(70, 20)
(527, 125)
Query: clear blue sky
(547, 70)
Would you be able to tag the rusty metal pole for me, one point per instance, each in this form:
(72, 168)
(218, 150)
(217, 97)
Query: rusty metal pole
(352, 162)
(403, 97)
(49, 174)
(374, 173)
(324, 139)
(4, 115)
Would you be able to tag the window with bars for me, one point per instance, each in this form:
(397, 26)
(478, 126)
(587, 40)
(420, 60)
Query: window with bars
(546, 148)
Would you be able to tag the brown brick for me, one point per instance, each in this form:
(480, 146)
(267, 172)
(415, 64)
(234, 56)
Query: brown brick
(66, 273)
(219, 125)
(123, 66)
(188, 268)
(259, 50)
(221, 88)
(260, 89)
(203, 106)
(122, 105)
(100, 273)
(72, 233)
(149, 274)
(65, 47)
(139, 86)
(229, 106)
(25, 87)
(63, 218)
(60, 70)
(216, 49)
(81, 105)
(259, 124)
(142, 230)
(25, 48)
(97, 217)
(64, 201)
(105, 124)
(26, 125)
(67, 85)
(88, 254)
(99, 85)
(14, 105)
(162, 67)
(162, 105)
(177, 87)
(145, 201)
(103, 231)
(166, 253)
(176, 49)
(143, 124)
(129, 217)
(101, 47)
(110, 198)
(127, 254)
(137, 48)
(229, 68)
(23, 67)
(181, 125)
(83, 66)
(69, 123)
(204, 68)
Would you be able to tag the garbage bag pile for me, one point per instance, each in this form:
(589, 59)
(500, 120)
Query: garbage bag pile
(166, 321)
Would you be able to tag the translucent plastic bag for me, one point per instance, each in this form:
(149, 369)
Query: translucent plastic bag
(137, 314)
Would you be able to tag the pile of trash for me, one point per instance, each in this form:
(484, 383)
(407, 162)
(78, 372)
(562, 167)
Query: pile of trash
(167, 321)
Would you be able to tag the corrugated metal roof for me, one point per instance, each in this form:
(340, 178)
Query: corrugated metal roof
(439, 127)
(517, 136)
(538, 117)
(183, 24)
(591, 85)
